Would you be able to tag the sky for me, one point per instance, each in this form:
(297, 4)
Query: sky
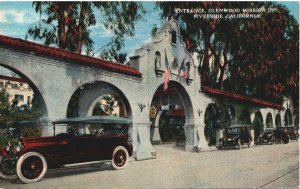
(17, 17)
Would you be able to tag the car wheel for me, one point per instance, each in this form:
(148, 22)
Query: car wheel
(120, 158)
(239, 144)
(221, 145)
(7, 168)
(272, 140)
(31, 167)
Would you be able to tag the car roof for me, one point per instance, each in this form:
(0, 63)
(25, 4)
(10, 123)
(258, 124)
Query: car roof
(93, 120)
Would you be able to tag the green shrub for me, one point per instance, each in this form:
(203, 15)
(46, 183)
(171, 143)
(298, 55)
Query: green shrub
(3, 141)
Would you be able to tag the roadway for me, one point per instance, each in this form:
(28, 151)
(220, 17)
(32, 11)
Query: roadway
(264, 166)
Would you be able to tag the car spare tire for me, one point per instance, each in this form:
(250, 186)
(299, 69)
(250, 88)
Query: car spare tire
(7, 168)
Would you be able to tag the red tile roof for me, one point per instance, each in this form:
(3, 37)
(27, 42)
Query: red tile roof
(12, 79)
(66, 55)
(240, 97)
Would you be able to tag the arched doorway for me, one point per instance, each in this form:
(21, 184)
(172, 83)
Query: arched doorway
(269, 120)
(99, 98)
(229, 116)
(258, 124)
(109, 105)
(244, 118)
(278, 120)
(212, 121)
(288, 118)
(21, 100)
(170, 110)
(297, 122)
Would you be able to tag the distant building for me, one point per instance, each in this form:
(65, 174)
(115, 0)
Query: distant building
(18, 89)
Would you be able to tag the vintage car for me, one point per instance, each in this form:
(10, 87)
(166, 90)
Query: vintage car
(87, 140)
(236, 136)
(292, 132)
(286, 133)
(281, 135)
(266, 136)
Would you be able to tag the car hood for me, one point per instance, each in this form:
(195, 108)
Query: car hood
(39, 141)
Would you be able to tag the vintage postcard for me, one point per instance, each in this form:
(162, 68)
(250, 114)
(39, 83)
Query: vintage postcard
(149, 94)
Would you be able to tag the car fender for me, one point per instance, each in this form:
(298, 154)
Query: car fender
(50, 161)
(4, 153)
(127, 145)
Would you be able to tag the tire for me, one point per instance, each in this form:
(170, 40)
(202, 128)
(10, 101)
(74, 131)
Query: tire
(239, 144)
(120, 158)
(31, 167)
(272, 140)
(221, 145)
(249, 143)
(7, 168)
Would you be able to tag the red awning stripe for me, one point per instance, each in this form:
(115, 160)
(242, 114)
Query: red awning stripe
(240, 97)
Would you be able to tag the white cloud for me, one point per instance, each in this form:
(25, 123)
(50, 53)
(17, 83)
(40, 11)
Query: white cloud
(16, 16)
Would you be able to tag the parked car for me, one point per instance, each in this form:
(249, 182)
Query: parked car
(236, 136)
(87, 140)
(292, 132)
(282, 135)
(266, 136)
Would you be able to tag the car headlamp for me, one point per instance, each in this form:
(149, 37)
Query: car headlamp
(18, 146)
(7, 146)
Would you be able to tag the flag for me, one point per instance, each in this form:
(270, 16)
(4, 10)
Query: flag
(167, 72)
(166, 60)
(166, 78)
(183, 72)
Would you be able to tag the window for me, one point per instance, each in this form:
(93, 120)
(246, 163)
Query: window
(15, 86)
(174, 37)
(28, 100)
(19, 97)
(157, 60)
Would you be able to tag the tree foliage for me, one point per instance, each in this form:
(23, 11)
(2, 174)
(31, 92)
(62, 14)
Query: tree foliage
(10, 114)
(255, 57)
(68, 24)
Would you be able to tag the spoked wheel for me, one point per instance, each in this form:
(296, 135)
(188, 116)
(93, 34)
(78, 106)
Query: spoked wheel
(120, 158)
(7, 168)
(31, 167)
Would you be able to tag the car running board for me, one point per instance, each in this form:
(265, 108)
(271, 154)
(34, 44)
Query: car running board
(86, 163)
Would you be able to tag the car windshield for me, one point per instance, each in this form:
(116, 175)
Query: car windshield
(100, 129)
(232, 131)
(268, 130)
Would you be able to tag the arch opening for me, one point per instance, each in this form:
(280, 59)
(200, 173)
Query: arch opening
(269, 120)
(244, 118)
(25, 101)
(258, 124)
(99, 98)
(212, 123)
(278, 120)
(170, 110)
(288, 120)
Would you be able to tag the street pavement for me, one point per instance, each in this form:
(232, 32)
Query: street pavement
(263, 166)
